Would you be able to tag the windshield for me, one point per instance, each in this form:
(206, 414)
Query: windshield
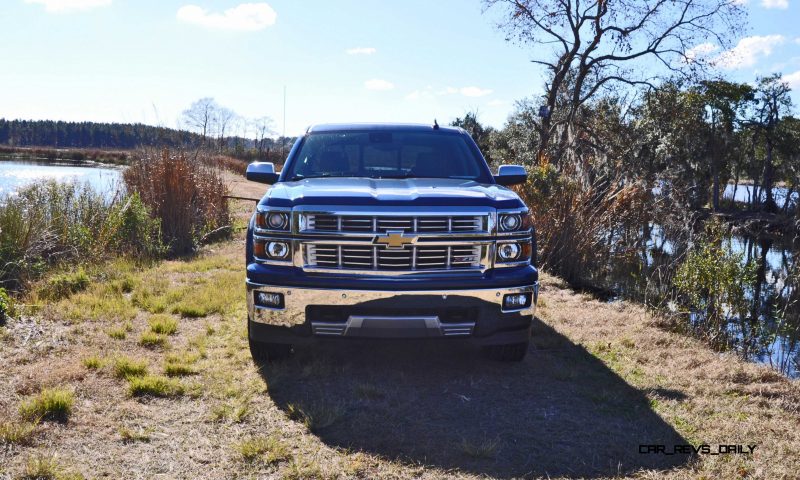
(386, 154)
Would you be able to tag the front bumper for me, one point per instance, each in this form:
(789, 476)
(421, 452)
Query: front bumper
(326, 312)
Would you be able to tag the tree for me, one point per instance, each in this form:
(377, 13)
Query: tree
(601, 44)
(200, 116)
(263, 127)
(478, 132)
(773, 101)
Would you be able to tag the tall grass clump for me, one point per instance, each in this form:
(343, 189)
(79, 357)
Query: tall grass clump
(184, 192)
(579, 225)
(49, 223)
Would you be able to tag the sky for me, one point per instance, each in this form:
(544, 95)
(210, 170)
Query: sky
(411, 61)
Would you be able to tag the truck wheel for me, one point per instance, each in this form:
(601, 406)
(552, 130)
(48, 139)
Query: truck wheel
(269, 352)
(513, 352)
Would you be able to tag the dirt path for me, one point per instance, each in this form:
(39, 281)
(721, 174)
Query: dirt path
(599, 381)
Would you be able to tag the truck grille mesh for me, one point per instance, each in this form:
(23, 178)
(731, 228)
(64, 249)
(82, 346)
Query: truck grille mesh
(382, 224)
(380, 258)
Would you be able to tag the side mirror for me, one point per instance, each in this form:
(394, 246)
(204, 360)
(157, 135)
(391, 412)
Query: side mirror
(262, 172)
(510, 175)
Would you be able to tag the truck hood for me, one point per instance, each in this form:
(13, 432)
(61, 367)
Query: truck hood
(390, 192)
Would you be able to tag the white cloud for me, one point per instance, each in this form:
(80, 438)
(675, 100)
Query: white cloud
(475, 92)
(447, 91)
(793, 79)
(700, 51)
(781, 4)
(58, 6)
(361, 51)
(247, 17)
(747, 52)
(378, 84)
(797, 40)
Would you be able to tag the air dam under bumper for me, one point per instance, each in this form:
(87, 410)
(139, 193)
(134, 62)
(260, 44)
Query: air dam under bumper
(317, 312)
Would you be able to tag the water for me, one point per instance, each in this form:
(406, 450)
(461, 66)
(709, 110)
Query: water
(771, 333)
(16, 174)
(743, 194)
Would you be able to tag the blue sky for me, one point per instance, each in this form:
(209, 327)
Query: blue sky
(147, 60)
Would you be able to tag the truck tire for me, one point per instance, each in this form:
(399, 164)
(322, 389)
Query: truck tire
(269, 352)
(513, 352)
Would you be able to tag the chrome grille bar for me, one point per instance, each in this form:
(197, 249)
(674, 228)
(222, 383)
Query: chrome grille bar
(375, 224)
(380, 258)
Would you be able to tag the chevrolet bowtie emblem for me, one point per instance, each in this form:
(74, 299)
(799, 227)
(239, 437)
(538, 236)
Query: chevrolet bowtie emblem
(394, 239)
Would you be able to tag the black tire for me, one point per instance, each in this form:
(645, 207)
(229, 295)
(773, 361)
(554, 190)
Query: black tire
(269, 352)
(513, 352)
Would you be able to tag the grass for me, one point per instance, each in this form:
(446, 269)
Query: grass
(92, 363)
(132, 436)
(153, 340)
(66, 284)
(269, 450)
(19, 433)
(163, 324)
(155, 386)
(180, 364)
(317, 416)
(49, 404)
(480, 449)
(125, 367)
(47, 468)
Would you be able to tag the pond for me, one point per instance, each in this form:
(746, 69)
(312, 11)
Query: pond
(17, 173)
(771, 332)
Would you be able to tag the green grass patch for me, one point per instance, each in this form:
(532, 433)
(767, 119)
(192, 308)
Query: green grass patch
(269, 450)
(97, 304)
(132, 436)
(49, 404)
(65, 284)
(163, 324)
(125, 367)
(19, 433)
(120, 332)
(317, 416)
(154, 385)
(92, 363)
(152, 340)
(46, 468)
(180, 364)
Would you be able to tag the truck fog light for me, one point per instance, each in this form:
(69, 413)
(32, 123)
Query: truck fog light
(277, 249)
(269, 299)
(508, 251)
(516, 300)
(277, 221)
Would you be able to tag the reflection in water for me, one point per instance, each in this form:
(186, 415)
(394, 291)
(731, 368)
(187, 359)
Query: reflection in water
(771, 333)
(16, 174)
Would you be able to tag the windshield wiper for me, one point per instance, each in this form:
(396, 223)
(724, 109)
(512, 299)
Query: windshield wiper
(401, 176)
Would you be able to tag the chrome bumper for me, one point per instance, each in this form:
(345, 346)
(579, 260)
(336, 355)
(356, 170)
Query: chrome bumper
(297, 299)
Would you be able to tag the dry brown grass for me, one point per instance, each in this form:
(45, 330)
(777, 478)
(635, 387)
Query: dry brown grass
(183, 191)
(600, 379)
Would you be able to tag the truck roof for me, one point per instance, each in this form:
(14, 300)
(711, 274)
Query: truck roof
(404, 127)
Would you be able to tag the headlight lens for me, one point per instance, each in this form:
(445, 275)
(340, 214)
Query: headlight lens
(273, 221)
(508, 251)
(277, 250)
(513, 252)
(514, 222)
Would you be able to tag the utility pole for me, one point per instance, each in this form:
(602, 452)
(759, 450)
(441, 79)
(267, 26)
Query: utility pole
(283, 137)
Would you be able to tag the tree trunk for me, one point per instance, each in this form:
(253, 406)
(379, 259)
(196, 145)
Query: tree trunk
(769, 173)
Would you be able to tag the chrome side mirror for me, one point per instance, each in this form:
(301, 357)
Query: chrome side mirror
(262, 172)
(510, 175)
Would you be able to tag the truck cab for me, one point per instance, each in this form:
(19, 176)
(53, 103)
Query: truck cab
(389, 231)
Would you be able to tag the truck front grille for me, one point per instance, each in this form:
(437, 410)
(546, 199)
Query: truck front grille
(381, 224)
(380, 258)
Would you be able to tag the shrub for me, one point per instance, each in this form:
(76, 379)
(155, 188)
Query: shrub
(183, 192)
(49, 404)
(65, 284)
(6, 306)
(713, 282)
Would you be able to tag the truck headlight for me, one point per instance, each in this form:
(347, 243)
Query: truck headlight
(513, 252)
(514, 222)
(277, 250)
(273, 220)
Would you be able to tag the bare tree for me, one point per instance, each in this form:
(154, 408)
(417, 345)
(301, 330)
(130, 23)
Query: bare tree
(588, 46)
(223, 118)
(263, 127)
(200, 115)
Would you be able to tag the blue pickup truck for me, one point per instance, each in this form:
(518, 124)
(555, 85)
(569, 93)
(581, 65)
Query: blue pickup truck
(389, 231)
